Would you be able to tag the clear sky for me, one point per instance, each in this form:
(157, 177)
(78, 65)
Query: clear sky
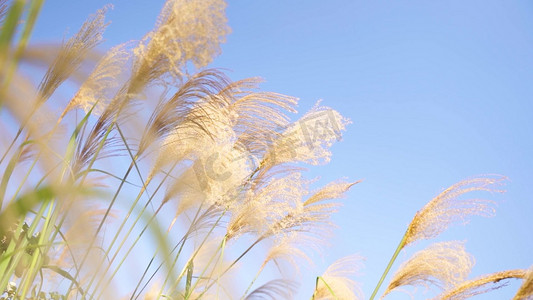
(438, 91)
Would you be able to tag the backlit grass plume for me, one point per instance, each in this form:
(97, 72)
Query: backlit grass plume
(72, 53)
(95, 91)
(442, 265)
(482, 285)
(336, 283)
(443, 210)
(274, 289)
(186, 31)
(526, 290)
(448, 207)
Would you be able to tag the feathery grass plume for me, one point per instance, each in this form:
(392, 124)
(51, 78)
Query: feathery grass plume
(443, 210)
(310, 137)
(310, 218)
(274, 289)
(286, 214)
(70, 57)
(206, 128)
(250, 217)
(300, 215)
(185, 31)
(43, 55)
(305, 141)
(116, 111)
(265, 207)
(73, 53)
(447, 208)
(312, 215)
(80, 225)
(207, 220)
(231, 124)
(187, 190)
(481, 285)
(336, 283)
(526, 289)
(36, 126)
(209, 266)
(94, 92)
(333, 190)
(442, 264)
(21, 88)
(221, 172)
(89, 145)
(170, 113)
(288, 247)
(261, 115)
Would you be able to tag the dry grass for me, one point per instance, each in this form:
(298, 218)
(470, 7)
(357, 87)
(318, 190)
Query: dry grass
(163, 176)
(442, 264)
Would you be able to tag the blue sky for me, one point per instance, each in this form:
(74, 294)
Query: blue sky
(438, 91)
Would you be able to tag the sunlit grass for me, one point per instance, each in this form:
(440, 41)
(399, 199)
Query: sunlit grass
(162, 176)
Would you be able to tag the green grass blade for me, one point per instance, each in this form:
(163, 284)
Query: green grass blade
(387, 269)
(65, 274)
(20, 207)
(7, 174)
(35, 9)
(9, 27)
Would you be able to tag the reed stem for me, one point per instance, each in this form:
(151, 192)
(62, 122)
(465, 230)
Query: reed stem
(391, 262)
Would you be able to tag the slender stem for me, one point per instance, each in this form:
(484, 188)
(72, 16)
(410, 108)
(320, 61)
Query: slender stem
(231, 265)
(48, 227)
(11, 145)
(102, 222)
(253, 280)
(30, 275)
(393, 258)
(327, 286)
(124, 240)
(116, 236)
(181, 242)
(316, 288)
(34, 9)
(175, 285)
(109, 280)
(7, 32)
(220, 248)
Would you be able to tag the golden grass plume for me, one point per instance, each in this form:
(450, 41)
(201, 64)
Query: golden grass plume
(526, 289)
(335, 282)
(448, 208)
(442, 264)
(480, 285)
